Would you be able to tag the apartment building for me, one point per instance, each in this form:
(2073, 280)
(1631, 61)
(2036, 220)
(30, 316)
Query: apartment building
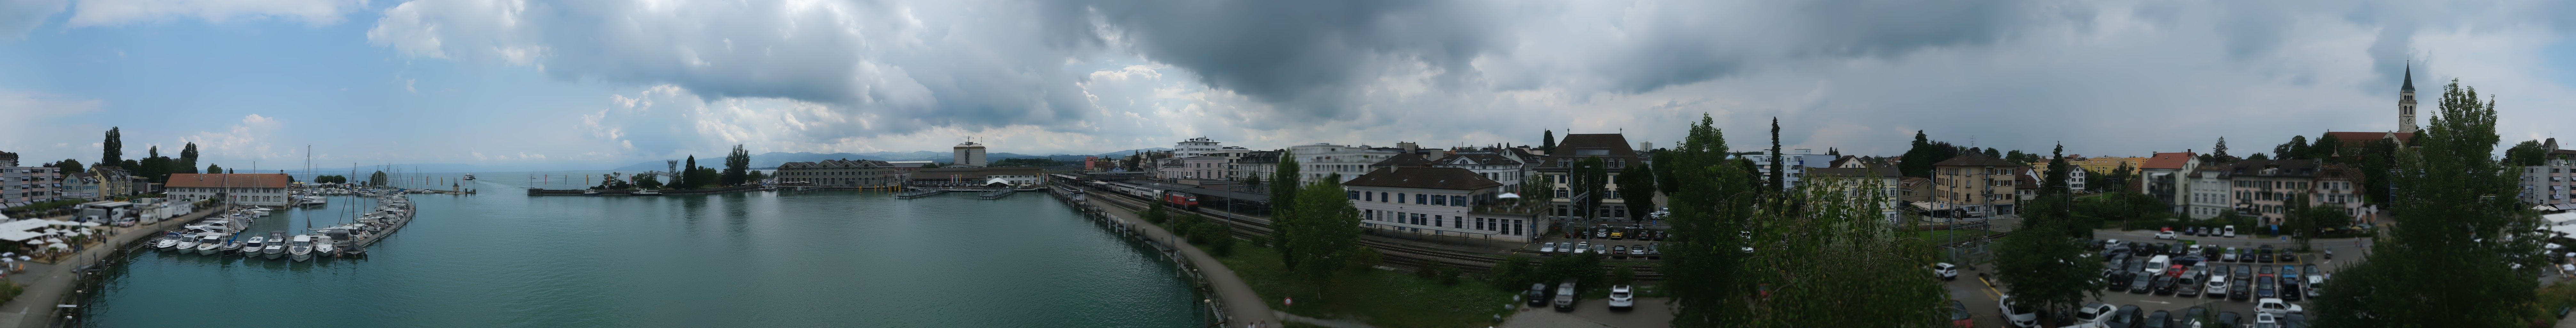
(1442, 201)
(842, 173)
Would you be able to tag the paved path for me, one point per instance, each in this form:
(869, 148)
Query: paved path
(1241, 304)
(47, 284)
(1319, 322)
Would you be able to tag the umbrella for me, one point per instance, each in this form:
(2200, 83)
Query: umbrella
(89, 224)
(57, 246)
(53, 240)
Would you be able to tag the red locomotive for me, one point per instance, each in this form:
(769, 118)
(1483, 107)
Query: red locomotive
(1181, 200)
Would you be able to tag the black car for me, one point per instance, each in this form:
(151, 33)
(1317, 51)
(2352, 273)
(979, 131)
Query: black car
(2159, 319)
(2164, 285)
(2264, 255)
(1537, 295)
(2263, 287)
(2141, 284)
(2126, 317)
(2244, 271)
(2240, 289)
(2245, 255)
(2286, 257)
(2230, 319)
(2290, 290)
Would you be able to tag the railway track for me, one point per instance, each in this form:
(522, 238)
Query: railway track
(1397, 252)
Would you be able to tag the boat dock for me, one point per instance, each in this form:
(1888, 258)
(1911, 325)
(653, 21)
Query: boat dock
(919, 193)
(997, 193)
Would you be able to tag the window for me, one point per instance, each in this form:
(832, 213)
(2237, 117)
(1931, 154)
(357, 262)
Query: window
(1381, 198)
(1460, 201)
(1354, 195)
(1420, 198)
(1399, 198)
(1439, 200)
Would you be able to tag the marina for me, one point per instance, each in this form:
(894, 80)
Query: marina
(730, 259)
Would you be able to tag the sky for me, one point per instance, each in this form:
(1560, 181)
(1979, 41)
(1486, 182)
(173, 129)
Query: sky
(583, 84)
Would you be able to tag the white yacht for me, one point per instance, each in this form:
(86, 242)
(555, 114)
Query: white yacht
(322, 246)
(469, 176)
(302, 248)
(251, 247)
(207, 243)
(258, 212)
(169, 242)
(187, 244)
(276, 245)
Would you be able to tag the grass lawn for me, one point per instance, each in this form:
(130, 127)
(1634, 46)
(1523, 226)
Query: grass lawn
(1378, 297)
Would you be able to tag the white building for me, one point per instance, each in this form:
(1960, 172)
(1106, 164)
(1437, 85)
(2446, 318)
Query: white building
(1193, 147)
(1442, 201)
(967, 154)
(1316, 161)
(2210, 192)
(1504, 169)
(257, 189)
(1198, 167)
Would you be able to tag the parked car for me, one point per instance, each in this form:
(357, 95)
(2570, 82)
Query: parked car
(2196, 317)
(2290, 289)
(2126, 317)
(1616, 234)
(1580, 248)
(2216, 287)
(2158, 319)
(2265, 320)
(1547, 247)
(2094, 312)
(2244, 271)
(2228, 255)
(2163, 285)
(1959, 315)
(2287, 257)
(2310, 270)
(1621, 299)
(2245, 255)
(1538, 295)
(2275, 306)
(2168, 233)
(1945, 271)
(1565, 296)
(2263, 287)
(1619, 250)
(2141, 284)
(2240, 289)
(2228, 231)
(2187, 286)
(1600, 233)
(2264, 254)
(2316, 284)
(2020, 315)
(2230, 319)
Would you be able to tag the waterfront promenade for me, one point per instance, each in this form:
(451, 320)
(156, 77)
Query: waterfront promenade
(49, 284)
(1242, 305)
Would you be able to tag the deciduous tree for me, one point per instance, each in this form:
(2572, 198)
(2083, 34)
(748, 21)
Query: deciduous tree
(2451, 258)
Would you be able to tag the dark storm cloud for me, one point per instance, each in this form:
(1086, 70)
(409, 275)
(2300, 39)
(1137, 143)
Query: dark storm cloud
(1304, 55)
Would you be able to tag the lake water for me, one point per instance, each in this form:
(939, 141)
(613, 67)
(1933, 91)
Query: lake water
(772, 259)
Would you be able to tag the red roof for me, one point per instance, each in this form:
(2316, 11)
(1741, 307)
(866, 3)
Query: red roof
(232, 180)
(2169, 161)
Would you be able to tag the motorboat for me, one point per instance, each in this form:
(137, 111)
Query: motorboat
(258, 212)
(469, 176)
(207, 243)
(169, 242)
(276, 246)
(187, 244)
(301, 248)
(251, 247)
(590, 193)
(228, 248)
(646, 192)
(322, 246)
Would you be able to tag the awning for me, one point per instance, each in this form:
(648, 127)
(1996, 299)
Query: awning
(2565, 207)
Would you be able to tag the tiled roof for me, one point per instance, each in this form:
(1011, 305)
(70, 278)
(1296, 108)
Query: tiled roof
(1405, 159)
(232, 180)
(1477, 159)
(2275, 168)
(1445, 178)
(1612, 143)
(1975, 159)
(2169, 161)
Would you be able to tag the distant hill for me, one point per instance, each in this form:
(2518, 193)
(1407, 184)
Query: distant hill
(773, 159)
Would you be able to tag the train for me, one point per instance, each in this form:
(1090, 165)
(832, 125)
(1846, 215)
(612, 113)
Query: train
(1175, 199)
(1181, 200)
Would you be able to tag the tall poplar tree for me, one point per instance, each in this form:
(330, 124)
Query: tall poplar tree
(1702, 268)
(188, 159)
(112, 151)
(1285, 181)
(737, 166)
(1779, 169)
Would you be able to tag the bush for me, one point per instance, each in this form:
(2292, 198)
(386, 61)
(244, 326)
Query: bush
(1427, 270)
(1510, 274)
(1222, 246)
(1260, 241)
(1448, 275)
(1623, 275)
(1155, 215)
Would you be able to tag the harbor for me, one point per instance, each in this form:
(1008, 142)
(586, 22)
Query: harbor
(768, 258)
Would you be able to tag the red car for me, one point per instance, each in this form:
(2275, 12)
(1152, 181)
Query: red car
(2176, 271)
(1959, 315)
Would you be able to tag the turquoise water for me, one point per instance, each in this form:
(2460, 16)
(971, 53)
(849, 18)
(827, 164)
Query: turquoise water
(813, 259)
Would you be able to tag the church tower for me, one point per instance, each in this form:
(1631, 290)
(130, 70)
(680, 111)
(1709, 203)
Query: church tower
(2406, 102)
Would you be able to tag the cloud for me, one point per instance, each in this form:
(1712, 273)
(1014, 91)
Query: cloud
(17, 17)
(34, 118)
(1860, 75)
(116, 12)
(247, 140)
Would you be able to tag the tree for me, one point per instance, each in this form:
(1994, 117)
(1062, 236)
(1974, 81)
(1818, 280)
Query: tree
(1917, 161)
(1326, 232)
(1285, 183)
(682, 179)
(377, 179)
(1547, 141)
(112, 151)
(2327, 147)
(188, 159)
(1512, 274)
(2527, 153)
(2257, 156)
(155, 167)
(1779, 167)
(2044, 267)
(647, 181)
(1702, 268)
(1820, 252)
(1591, 178)
(2451, 258)
(1637, 188)
(2297, 148)
(737, 166)
(1661, 166)
(2219, 151)
(70, 166)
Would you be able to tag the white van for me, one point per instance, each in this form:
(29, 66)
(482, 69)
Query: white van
(2157, 265)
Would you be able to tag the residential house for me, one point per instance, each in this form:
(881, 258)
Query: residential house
(2164, 176)
(1253, 164)
(1613, 150)
(1864, 185)
(1976, 185)
(2264, 188)
(2212, 192)
(1492, 165)
(1443, 201)
(2550, 183)
(1195, 167)
(23, 185)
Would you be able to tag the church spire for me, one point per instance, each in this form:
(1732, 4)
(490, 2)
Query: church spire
(2410, 77)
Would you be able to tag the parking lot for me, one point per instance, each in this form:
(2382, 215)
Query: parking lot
(1980, 295)
(1594, 235)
